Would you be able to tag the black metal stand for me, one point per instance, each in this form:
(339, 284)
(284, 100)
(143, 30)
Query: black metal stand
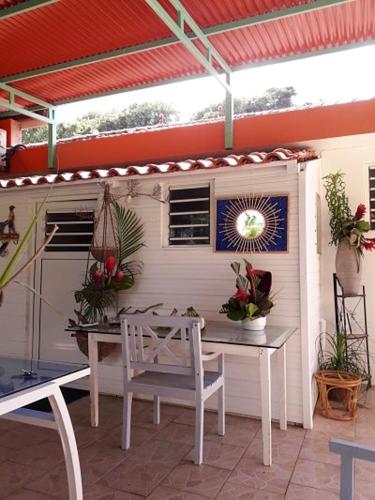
(351, 319)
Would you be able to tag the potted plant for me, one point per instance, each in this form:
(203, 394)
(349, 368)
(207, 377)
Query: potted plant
(339, 378)
(105, 279)
(347, 233)
(252, 302)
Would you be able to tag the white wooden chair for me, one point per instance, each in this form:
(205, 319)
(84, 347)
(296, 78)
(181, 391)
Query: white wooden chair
(185, 379)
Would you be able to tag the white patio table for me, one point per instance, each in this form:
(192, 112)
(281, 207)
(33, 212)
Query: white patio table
(217, 337)
(23, 382)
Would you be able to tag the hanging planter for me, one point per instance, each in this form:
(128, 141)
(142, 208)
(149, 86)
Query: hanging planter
(104, 243)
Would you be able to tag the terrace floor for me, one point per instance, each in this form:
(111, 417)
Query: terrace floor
(159, 466)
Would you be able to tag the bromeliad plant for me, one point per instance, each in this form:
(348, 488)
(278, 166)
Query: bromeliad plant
(252, 299)
(343, 224)
(104, 281)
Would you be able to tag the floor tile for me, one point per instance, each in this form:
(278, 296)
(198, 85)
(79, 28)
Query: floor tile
(296, 492)
(232, 491)
(135, 478)
(317, 449)
(326, 427)
(165, 493)
(27, 435)
(25, 494)
(283, 451)
(98, 459)
(224, 456)
(53, 483)
(364, 490)
(99, 492)
(238, 435)
(187, 416)
(139, 435)
(317, 475)
(252, 474)
(365, 471)
(15, 476)
(200, 479)
(45, 455)
(155, 451)
(177, 433)
(294, 434)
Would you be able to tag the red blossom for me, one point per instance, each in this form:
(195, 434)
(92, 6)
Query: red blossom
(241, 295)
(110, 264)
(369, 244)
(360, 212)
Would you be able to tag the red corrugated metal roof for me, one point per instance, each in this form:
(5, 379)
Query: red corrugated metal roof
(233, 160)
(69, 30)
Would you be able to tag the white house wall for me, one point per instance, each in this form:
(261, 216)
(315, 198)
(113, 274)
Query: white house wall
(199, 277)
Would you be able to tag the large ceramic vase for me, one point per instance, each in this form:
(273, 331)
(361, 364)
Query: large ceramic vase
(348, 268)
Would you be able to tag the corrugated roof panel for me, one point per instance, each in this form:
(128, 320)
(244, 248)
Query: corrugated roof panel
(68, 30)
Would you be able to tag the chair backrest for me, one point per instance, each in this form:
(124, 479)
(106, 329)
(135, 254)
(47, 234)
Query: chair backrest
(146, 338)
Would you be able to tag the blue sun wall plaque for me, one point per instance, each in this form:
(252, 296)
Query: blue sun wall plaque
(252, 223)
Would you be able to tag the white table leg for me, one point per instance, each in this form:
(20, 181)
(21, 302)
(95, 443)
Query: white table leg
(281, 358)
(66, 432)
(94, 388)
(265, 388)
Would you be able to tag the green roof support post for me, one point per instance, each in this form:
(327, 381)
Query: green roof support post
(205, 58)
(52, 135)
(228, 112)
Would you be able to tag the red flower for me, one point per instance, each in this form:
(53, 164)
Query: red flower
(119, 276)
(360, 212)
(241, 295)
(110, 264)
(369, 244)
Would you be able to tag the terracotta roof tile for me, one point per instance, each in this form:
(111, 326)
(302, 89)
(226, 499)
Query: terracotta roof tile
(233, 160)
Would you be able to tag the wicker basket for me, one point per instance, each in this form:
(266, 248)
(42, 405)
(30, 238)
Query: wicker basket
(104, 348)
(102, 253)
(347, 385)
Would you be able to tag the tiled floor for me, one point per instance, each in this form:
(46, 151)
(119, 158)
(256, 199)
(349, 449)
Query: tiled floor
(158, 466)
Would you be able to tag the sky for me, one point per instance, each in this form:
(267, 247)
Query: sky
(338, 77)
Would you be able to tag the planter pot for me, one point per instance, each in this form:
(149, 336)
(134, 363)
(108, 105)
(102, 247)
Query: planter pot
(345, 387)
(255, 325)
(348, 269)
(104, 348)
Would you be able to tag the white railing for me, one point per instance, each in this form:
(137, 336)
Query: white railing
(348, 452)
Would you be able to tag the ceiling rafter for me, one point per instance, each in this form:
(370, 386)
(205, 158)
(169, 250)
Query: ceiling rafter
(213, 30)
(23, 7)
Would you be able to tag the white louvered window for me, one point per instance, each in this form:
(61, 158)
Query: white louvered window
(371, 172)
(75, 231)
(189, 215)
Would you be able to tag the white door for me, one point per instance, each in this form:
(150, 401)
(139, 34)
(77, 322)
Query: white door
(59, 273)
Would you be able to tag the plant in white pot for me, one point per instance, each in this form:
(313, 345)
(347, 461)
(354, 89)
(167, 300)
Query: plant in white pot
(347, 233)
(252, 302)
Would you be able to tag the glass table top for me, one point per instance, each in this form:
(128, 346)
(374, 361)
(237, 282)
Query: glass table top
(225, 332)
(20, 374)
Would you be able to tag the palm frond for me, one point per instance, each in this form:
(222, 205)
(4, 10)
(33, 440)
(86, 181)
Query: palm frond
(129, 231)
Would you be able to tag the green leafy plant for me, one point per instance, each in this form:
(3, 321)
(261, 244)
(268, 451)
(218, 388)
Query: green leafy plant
(102, 283)
(252, 299)
(343, 224)
(338, 357)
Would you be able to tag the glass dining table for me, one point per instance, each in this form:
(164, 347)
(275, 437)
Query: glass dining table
(217, 337)
(26, 381)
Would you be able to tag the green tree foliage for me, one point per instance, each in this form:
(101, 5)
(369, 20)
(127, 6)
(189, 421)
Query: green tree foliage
(136, 115)
(273, 98)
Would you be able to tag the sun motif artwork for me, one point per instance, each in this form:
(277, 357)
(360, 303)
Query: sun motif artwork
(252, 223)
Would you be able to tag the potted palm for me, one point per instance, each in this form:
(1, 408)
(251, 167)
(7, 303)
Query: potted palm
(347, 233)
(252, 302)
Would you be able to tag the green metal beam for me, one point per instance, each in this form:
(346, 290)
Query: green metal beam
(52, 139)
(178, 30)
(25, 95)
(21, 8)
(22, 111)
(213, 30)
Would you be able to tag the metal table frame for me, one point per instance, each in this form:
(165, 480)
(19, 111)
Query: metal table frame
(11, 408)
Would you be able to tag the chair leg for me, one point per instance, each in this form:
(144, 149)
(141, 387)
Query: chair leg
(199, 431)
(126, 421)
(156, 410)
(221, 411)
